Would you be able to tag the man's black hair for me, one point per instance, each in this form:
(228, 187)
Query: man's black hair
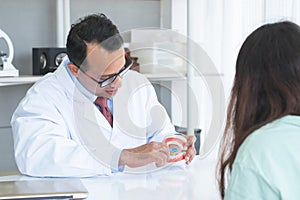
(92, 28)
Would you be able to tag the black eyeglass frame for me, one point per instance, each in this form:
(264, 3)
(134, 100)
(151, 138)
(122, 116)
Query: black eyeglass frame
(112, 78)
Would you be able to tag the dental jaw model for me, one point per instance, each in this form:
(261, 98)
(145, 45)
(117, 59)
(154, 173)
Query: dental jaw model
(177, 147)
(7, 68)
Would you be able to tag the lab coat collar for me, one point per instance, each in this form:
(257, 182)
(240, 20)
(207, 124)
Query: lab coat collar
(64, 78)
(80, 102)
(89, 110)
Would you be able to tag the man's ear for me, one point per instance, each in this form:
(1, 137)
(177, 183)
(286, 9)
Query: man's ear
(73, 69)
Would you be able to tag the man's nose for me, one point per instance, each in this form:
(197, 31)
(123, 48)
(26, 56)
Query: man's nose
(116, 82)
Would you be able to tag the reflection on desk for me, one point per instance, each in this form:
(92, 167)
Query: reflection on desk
(178, 181)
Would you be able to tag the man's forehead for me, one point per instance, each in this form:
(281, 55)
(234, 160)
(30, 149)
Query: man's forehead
(98, 56)
(95, 48)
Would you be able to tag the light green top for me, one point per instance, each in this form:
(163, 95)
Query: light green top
(267, 165)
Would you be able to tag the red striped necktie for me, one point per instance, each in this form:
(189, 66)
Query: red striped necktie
(102, 102)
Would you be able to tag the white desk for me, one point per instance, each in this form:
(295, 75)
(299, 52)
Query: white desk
(196, 181)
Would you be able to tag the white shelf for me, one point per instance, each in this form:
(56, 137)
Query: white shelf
(155, 76)
(18, 80)
(165, 76)
(27, 79)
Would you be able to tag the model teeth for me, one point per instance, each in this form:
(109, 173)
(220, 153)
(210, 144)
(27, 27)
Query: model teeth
(176, 144)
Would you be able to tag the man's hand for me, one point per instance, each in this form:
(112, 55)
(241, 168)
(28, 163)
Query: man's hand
(191, 151)
(152, 152)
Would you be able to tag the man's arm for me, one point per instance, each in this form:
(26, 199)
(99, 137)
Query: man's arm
(156, 152)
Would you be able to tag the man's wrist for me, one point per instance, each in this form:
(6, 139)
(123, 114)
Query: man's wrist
(123, 157)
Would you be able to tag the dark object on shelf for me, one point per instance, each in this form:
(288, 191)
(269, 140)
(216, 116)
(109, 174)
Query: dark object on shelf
(46, 59)
(197, 133)
(135, 66)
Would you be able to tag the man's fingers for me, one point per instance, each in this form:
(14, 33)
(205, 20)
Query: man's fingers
(158, 152)
(160, 159)
(152, 152)
(159, 147)
(191, 140)
(190, 154)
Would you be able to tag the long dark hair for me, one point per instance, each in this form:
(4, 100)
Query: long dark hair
(266, 87)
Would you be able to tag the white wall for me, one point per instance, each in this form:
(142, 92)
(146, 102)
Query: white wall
(32, 23)
(220, 27)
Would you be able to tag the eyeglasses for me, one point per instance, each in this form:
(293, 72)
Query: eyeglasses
(112, 77)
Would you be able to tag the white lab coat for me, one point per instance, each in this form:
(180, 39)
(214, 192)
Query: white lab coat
(59, 132)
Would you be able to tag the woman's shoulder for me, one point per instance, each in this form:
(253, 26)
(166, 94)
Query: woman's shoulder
(277, 129)
(271, 138)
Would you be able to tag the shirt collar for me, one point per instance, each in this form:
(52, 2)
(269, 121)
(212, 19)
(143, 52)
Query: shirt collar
(80, 87)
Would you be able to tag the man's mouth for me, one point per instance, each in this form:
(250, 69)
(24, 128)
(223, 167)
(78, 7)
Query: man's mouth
(111, 92)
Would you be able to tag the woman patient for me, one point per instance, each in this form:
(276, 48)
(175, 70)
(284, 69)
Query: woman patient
(261, 143)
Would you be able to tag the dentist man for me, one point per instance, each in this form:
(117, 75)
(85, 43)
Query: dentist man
(79, 121)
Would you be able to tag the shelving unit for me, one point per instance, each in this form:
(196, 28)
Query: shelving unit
(20, 80)
(7, 81)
